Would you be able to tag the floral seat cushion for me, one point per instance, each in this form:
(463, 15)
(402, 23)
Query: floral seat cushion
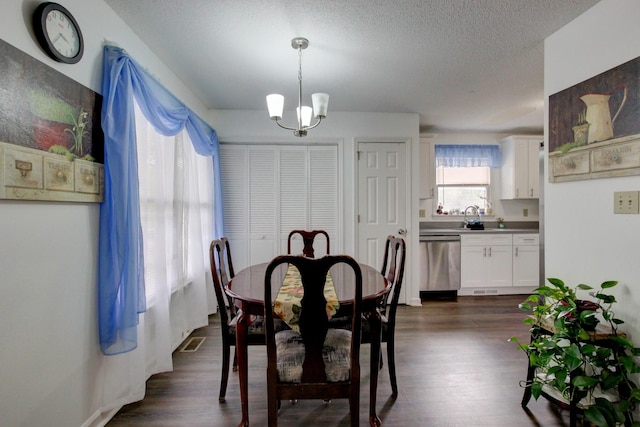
(335, 353)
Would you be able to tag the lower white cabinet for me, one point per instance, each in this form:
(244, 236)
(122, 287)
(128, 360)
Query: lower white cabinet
(526, 260)
(485, 260)
(499, 263)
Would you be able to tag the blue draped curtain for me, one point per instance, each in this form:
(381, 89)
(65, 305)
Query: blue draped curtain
(468, 155)
(121, 295)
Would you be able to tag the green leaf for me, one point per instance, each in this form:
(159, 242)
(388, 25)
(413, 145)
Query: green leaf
(588, 349)
(584, 287)
(584, 382)
(572, 363)
(536, 390)
(611, 381)
(556, 282)
(621, 340)
(513, 339)
(524, 306)
(532, 298)
(609, 284)
(607, 299)
(629, 364)
(595, 416)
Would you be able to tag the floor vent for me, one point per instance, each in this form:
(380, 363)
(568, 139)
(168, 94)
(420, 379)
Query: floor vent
(492, 291)
(478, 292)
(192, 344)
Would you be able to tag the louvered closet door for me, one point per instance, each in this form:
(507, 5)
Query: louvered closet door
(271, 190)
(309, 194)
(235, 197)
(323, 194)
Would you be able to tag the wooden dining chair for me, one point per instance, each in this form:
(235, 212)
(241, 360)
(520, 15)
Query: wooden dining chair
(222, 272)
(308, 238)
(318, 362)
(393, 270)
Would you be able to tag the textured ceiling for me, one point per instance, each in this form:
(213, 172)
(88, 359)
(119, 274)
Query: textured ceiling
(463, 65)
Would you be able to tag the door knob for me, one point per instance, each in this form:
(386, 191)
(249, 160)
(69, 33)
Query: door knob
(402, 231)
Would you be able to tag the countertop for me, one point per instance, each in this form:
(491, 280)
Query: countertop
(452, 228)
(454, 231)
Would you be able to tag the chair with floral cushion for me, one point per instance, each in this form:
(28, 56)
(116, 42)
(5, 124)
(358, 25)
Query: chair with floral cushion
(317, 362)
(308, 238)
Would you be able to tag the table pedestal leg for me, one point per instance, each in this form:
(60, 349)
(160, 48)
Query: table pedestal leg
(376, 337)
(243, 365)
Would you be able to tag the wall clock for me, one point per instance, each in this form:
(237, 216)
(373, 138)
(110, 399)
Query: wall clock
(58, 33)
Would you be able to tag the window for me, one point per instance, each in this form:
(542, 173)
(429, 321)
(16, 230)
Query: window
(463, 176)
(459, 187)
(176, 208)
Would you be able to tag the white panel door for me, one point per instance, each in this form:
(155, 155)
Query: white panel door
(381, 197)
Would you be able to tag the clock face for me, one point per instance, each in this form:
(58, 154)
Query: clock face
(62, 33)
(58, 32)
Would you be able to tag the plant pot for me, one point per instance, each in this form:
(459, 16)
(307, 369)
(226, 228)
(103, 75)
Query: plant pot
(589, 323)
(581, 133)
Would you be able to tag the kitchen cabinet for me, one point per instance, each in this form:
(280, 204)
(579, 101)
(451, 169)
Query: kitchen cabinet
(526, 260)
(427, 168)
(486, 260)
(520, 169)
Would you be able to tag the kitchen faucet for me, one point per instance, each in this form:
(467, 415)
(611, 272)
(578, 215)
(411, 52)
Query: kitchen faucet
(474, 212)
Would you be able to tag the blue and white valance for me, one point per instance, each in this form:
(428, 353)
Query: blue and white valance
(452, 156)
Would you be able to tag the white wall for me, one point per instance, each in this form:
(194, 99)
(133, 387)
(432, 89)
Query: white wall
(50, 359)
(585, 241)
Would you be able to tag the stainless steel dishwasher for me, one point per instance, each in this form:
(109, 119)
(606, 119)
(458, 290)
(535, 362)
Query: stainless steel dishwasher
(439, 262)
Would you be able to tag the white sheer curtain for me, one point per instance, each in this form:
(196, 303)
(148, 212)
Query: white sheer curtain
(176, 209)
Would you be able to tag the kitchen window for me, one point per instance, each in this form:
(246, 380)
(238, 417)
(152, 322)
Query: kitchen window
(463, 177)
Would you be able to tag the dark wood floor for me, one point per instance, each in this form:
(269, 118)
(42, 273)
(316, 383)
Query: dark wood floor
(455, 368)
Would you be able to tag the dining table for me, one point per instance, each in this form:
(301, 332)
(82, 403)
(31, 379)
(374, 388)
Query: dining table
(246, 291)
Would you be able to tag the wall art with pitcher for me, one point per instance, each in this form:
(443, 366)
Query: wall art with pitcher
(594, 126)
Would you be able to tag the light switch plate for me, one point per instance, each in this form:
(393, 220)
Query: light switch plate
(626, 202)
(422, 213)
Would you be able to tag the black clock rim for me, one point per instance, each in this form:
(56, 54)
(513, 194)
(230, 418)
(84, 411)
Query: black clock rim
(39, 25)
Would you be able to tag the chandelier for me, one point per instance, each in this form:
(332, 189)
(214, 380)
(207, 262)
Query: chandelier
(320, 101)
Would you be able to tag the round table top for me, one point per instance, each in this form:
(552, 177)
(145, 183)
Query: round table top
(248, 284)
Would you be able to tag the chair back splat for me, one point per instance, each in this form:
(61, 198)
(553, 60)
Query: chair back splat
(308, 238)
(317, 362)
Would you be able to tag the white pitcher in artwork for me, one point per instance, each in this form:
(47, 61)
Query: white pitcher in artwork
(599, 116)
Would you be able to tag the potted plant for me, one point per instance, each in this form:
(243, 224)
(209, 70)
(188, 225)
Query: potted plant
(572, 358)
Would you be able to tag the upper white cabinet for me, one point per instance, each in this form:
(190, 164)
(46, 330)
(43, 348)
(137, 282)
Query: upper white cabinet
(520, 167)
(427, 169)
